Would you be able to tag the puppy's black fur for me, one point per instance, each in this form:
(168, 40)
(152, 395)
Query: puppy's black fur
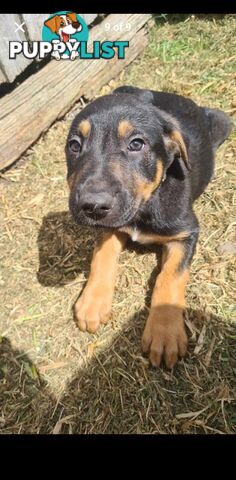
(137, 160)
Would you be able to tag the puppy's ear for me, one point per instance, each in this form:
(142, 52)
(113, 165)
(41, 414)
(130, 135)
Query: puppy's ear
(72, 16)
(175, 143)
(52, 23)
(143, 95)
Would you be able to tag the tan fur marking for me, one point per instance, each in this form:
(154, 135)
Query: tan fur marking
(145, 189)
(177, 138)
(94, 305)
(170, 284)
(124, 128)
(164, 334)
(84, 128)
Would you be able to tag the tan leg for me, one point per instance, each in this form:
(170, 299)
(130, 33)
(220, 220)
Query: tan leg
(94, 305)
(164, 333)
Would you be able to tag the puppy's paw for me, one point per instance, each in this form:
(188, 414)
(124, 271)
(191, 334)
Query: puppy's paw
(73, 55)
(91, 310)
(56, 55)
(164, 336)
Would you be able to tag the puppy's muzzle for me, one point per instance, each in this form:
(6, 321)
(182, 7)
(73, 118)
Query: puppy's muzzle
(96, 205)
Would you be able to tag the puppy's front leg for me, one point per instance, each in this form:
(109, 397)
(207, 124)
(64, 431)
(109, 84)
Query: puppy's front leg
(164, 333)
(94, 305)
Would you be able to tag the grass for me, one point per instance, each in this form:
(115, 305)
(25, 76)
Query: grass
(52, 377)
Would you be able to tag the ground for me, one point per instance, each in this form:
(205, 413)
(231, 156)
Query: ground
(53, 378)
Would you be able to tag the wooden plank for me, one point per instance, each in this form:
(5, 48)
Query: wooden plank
(11, 68)
(88, 17)
(35, 22)
(33, 106)
(3, 77)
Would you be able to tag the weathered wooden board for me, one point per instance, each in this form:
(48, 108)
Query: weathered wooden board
(33, 106)
(88, 17)
(33, 23)
(9, 31)
(3, 77)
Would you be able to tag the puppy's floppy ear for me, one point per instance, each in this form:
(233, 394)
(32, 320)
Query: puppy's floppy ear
(175, 143)
(72, 16)
(52, 23)
(177, 138)
(143, 95)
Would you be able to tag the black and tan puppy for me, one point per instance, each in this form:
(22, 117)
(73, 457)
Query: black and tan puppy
(137, 160)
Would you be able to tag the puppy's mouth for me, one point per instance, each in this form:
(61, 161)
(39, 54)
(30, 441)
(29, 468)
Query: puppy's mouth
(65, 36)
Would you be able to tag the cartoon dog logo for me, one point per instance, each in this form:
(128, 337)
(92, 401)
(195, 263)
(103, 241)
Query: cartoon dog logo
(64, 26)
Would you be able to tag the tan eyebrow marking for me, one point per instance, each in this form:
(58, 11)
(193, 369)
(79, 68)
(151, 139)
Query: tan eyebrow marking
(124, 128)
(84, 128)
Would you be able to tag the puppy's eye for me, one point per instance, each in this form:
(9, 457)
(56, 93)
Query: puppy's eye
(75, 145)
(136, 145)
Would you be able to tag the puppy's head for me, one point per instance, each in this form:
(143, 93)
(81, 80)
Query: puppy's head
(118, 151)
(67, 23)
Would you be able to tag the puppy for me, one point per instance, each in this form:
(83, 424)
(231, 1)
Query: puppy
(137, 160)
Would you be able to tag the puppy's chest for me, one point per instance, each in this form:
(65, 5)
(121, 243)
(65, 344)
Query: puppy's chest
(135, 234)
(150, 238)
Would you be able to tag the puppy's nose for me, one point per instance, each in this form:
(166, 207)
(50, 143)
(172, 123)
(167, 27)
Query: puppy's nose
(96, 205)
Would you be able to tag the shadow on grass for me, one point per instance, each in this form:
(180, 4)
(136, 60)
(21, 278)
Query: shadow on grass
(117, 392)
(65, 249)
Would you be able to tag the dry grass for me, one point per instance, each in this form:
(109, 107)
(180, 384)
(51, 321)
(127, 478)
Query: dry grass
(54, 378)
